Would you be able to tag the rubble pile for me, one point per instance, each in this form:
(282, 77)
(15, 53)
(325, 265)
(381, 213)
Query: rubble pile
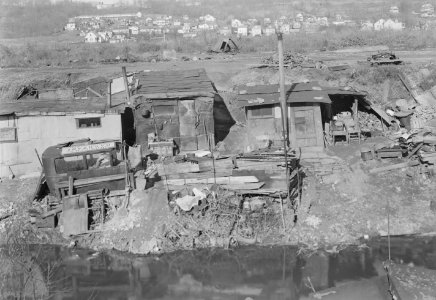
(425, 113)
(369, 122)
(291, 59)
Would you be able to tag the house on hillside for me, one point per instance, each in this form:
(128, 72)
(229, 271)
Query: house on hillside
(270, 31)
(367, 26)
(71, 26)
(299, 17)
(225, 31)
(134, 30)
(379, 25)
(393, 25)
(242, 30)
(427, 9)
(92, 37)
(209, 18)
(256, 30)
(181, 106)
(394, 10)
(236, 23)
(30, 125)
(310, 111)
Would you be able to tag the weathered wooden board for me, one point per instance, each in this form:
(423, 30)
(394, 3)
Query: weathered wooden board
(217, 180)
(177, 168)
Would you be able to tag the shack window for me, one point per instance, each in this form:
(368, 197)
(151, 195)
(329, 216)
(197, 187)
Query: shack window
(88, 122)
(260, 112)
(8, 130)
(164, 110)
(70, 163)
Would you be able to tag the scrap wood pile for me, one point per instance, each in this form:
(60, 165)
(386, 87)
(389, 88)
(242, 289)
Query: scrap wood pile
(417, 150)
(292, 60)
(262, 172)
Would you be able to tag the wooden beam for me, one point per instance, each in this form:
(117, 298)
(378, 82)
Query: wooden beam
(175, 95)
(393, 167)
(81, 182)
(211, 180)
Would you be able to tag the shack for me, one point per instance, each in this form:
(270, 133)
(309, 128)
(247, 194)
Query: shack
(310, 111)
(29, 127)
(183, 107)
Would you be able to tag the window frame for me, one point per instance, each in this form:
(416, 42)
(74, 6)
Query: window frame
(250, 112)
(87, 127)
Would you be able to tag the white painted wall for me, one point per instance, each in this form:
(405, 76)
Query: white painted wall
(40, 132)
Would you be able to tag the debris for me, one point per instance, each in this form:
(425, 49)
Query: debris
(384, 58)
(395, 166)
(188, 202)
(216, 180)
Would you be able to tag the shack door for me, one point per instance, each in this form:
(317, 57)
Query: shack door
(188, 123)
(307, 128)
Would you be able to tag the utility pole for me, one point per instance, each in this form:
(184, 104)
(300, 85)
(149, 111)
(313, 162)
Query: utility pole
(284, 108)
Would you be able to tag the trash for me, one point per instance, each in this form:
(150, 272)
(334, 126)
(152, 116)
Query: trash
(188, 202)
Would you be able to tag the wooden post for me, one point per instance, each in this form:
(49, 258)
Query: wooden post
(109, 91)
(126, 83)
(70, 186)
(284, 109)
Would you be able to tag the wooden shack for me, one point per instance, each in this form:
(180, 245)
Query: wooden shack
(29, 127)
(179, 106)
(309, 112)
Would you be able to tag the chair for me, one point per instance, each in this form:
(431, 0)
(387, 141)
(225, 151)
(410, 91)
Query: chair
(337, 129)
(353, 134)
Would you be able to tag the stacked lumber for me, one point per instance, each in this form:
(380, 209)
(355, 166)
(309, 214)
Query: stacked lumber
(322, 164)
(428, 157)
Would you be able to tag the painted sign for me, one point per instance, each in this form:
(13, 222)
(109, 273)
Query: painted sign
(87, 148)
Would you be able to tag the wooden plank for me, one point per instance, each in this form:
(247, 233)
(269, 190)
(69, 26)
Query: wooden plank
(217, 180)
(177, 168)
(70, 186)
(395, 166)
(86, 181)
(245, 186)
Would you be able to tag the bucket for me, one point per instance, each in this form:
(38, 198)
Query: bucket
(366, 154)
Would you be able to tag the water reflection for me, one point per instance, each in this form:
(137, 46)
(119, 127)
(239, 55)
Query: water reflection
(42, 272)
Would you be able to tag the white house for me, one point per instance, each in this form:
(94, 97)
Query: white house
(367, 26)
(134, 30)
(31, 125)
(427, 9)
(203, 26)
(70, 26)
(394, 10)
(92, 37)
(242, 30)
(256, 30)
(266, 21)
(379, 25)
(299, 17)
(393, 25)
(236, 23)
(209, 18)
(270, 31)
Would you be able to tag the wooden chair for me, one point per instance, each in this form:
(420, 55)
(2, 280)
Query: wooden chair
(338, 131)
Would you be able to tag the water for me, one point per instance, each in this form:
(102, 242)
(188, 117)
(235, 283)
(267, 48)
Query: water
(41, 272)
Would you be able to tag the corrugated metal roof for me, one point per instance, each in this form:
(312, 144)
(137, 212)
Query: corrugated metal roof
(57, 107)
(157, 82)
(295, 93)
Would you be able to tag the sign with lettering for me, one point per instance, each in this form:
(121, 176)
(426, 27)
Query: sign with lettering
(87, 148)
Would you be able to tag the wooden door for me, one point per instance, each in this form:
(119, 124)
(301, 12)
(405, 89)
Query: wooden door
(307, 127)
(188, 124)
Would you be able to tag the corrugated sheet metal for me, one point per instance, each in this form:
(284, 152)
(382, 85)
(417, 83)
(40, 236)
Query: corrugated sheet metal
(174, 82)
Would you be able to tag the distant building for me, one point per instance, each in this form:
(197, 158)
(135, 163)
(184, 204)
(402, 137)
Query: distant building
(243, 30)
(92, 37)
(323, 21)
(427, 8)
(379, 25)
(256, 30)
(236, 23)
(270, 31)
(134, 30)
(393, 25)
(394, 10)
(266, 21)
(70, 26)
(299, 17)
(367, 26)
(226, 31)
(203, 26)
(209, 18)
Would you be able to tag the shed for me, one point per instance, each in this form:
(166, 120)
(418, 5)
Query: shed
(180, 105)
(309, 111)
(26, 126)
